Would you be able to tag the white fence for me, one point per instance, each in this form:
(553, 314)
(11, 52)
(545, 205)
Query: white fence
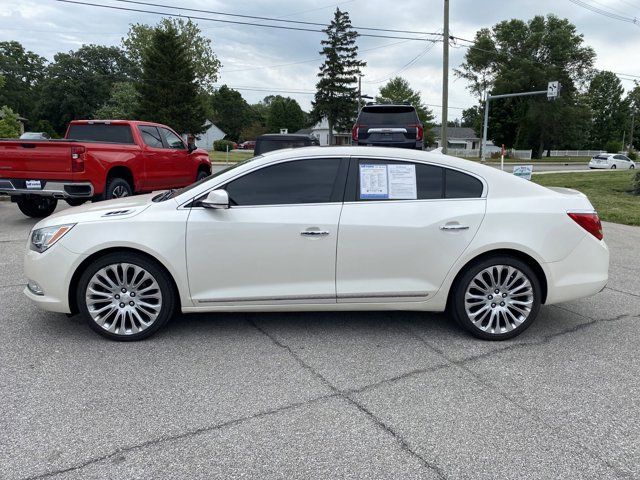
(475, 153)
(574, 153)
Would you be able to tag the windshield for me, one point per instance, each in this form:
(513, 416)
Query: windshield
(174, 193)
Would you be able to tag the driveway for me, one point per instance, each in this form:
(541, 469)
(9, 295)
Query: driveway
(322, 395)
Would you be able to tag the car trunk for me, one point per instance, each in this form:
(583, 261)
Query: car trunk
(33, 157)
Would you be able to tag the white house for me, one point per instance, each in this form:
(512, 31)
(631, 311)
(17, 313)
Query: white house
(321, 131)
(461, 138)
(211, 134)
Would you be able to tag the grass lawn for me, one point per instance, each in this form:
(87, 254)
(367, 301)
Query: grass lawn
(534, 161)
(235, 156)
(609, 192)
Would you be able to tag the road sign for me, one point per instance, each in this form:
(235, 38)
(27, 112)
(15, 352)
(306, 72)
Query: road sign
(553, 90)
(523, 171)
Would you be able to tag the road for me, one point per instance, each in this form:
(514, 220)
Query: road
(322, 395)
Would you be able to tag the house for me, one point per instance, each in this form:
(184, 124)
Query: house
(460, 138)
(211, 134)
(321, 131)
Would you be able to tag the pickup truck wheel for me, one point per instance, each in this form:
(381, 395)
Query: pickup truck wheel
(74, 202)
(117, 188)
(201, 174)
(37, 207)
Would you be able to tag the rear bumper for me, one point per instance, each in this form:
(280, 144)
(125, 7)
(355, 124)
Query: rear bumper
(50, 188)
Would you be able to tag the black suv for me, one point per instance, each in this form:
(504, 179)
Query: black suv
(388, 126)
(269, 142)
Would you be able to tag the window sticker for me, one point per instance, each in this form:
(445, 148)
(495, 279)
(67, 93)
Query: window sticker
(391, 181)
(402, 182)
(374, 182)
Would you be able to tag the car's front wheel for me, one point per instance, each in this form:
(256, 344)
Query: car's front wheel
(613, 167)
(496, 298)
(125, 296)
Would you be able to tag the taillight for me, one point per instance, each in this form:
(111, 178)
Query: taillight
(355, 130)
(77, 158)
(590, 222)
(419, 130)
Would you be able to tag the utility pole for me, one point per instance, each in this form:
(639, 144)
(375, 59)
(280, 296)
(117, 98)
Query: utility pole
(633, 122)
(445, 77)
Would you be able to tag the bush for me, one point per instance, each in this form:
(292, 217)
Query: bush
(632, 154)
(9, 123)
(613, 146)
(221, 145)
(636, 183)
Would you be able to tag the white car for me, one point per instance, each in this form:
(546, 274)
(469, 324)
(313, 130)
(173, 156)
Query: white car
(611, 161)
(331, 228)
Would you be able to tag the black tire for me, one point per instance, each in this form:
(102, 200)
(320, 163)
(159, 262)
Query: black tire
(165, 307)
(632, 167)
(117, 188)
(613, 167)
(201, 174)
(37, 207)
(459, 289)
(74, 202)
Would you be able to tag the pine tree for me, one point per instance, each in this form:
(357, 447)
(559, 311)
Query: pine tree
(336, 91)
(167, 89)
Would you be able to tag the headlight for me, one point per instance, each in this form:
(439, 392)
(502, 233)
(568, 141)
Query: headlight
(43, 238)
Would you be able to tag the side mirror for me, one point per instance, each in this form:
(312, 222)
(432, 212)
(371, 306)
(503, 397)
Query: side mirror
(191, 147)
(218, 199)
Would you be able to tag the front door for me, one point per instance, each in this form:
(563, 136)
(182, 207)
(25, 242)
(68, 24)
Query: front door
(403, 228)
(277, 241)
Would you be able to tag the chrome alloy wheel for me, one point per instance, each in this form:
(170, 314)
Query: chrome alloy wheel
(119, 192)
(123, 298)
(499, 299)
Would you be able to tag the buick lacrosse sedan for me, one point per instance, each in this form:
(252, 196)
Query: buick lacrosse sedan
(339, 228)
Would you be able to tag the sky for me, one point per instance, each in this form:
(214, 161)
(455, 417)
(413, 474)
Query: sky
(260, 61)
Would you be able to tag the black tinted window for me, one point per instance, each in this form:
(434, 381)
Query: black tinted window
(300, 181)
(429, 179)
(388, 116)
(269, 145)
(461, 185)
(101, 132)
(151, 136)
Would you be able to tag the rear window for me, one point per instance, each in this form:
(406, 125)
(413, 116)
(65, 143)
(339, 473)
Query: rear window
(101, 132)
(388, 116)
(461, 185)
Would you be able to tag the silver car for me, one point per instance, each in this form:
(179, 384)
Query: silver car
(611, 161)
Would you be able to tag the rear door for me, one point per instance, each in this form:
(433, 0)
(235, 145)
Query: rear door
(388, 124)
(402, 227)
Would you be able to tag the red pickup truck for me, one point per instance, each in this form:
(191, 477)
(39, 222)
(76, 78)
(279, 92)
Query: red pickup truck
(97, 160)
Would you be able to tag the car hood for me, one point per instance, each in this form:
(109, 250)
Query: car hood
(100, 211)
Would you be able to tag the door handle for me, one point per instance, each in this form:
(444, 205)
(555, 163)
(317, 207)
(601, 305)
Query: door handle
(454, 227)
(314, 233)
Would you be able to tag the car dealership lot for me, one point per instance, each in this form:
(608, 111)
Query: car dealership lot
(322, 395)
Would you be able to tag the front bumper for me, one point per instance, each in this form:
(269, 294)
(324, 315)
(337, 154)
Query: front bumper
(49, 188)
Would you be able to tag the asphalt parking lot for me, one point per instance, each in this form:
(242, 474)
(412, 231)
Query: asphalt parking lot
(322, 395)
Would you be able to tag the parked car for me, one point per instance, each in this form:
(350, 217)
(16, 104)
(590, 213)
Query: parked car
(417, 231)
(612, 161)
(277, 141)
(388, 126)
(248, 145)
(35, 136)
(97, 160)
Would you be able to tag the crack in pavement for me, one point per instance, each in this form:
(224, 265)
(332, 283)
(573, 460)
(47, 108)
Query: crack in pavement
(180, 436)
(404, 445)
(487, 385)
(622, 291)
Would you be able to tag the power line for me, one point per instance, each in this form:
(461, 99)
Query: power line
(404, 67)
(270, 19)
(606, 13)
(235, 22)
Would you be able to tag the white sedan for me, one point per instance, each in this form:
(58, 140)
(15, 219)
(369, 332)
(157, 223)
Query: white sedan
(333, 228)
(612, 161)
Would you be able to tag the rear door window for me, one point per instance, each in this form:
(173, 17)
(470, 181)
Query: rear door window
(377, 175)
(100, 132)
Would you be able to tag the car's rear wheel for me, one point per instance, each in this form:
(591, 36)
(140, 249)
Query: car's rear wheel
(125, 296)
(201, 174)
(613, 167)
(632, 167)
(37, 207)
(117, 188)
(496, 298)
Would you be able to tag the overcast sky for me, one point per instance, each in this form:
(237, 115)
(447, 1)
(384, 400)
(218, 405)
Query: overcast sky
(253, 57)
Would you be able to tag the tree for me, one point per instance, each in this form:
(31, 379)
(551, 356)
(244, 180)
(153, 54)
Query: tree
(22, 71)
(284, 113)
(9, 123)
(633, 98)
(167, 90)
(397, 91)
(517, 56)
(472, 117)
(609, 109)
(231, 112)
(336, 91)
(77, 83)
(122, 103)
(198, 48)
